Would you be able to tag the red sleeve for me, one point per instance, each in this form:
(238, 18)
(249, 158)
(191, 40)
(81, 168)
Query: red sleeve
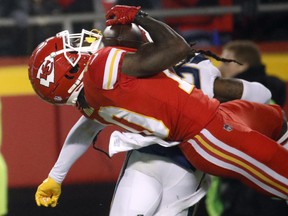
(104, 67)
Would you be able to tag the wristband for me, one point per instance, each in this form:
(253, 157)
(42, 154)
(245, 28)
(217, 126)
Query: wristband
(255, 92)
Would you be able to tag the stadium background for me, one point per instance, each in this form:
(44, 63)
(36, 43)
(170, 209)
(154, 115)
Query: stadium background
(33, 133)
(30, 152)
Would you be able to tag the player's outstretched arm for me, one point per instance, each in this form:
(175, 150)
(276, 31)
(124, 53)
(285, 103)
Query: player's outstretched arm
(76, 144)
(201, 72)
(167, 48)
(231, 89)
(48, 193)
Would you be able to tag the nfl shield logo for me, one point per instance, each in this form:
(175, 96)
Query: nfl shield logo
(227, 127)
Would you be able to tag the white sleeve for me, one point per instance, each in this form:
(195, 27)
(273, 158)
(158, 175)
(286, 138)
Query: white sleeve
(76, 144)
(208, 73)
(255, 92)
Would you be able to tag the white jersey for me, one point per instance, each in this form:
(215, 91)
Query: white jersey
(200, 72)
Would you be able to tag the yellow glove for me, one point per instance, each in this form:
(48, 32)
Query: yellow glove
(48, 193)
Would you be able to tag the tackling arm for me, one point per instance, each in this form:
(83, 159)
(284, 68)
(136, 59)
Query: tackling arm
(76, 144)
(204, 75)
(231, 89)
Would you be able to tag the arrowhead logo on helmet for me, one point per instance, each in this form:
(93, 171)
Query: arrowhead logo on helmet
(57, 65)
(46, 72)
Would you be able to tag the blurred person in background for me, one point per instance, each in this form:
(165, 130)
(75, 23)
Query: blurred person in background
(252, 24)
(10, 44)
(228, 197)
(3, 176)
(147, 4)
(252, 68)
(79, 7)
(205, 29)
(19, 39)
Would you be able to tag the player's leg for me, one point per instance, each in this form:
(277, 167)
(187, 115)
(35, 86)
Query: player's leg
(137, 193)
(228, 148)
(266, 119)
(182, 190)
(168, 188)
(181, 187)
(269, 120)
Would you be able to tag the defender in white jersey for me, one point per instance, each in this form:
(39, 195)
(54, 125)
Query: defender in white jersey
(166, 193)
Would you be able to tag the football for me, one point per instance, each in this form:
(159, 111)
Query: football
(129, 35)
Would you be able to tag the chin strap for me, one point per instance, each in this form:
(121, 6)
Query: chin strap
(76, 89)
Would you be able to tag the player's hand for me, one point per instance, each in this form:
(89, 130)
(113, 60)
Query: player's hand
(121, 14)
(48, 193)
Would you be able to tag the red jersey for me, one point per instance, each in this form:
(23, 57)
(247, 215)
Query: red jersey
(221, 140)
(162, 105)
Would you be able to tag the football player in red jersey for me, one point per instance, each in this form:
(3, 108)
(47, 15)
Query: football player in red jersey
(163, 191)
(124, 86)
(172, 191)
(218, 157)
(215, 138)
(150, 165)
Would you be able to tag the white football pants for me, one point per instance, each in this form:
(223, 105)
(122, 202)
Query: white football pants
(152, 185)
